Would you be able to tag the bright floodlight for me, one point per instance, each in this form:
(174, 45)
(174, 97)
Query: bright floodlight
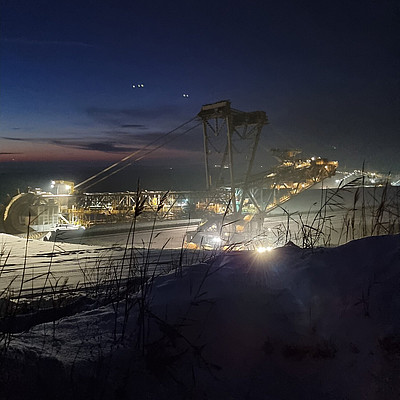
(262, 249)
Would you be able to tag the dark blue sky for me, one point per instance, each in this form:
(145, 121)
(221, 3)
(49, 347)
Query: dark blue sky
(326, 74)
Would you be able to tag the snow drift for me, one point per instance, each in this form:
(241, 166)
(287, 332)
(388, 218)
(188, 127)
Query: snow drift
(285, 324)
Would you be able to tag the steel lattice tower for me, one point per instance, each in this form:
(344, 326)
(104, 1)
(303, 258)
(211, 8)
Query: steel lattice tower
(230, 143)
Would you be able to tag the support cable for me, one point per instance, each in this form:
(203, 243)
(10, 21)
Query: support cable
(129, 156)
(140, 157)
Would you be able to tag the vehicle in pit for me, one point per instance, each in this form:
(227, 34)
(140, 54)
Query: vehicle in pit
(233, 232)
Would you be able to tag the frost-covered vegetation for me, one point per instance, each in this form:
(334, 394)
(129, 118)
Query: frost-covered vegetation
(303, 321)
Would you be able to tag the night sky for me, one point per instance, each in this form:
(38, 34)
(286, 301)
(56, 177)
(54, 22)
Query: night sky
(325, 72)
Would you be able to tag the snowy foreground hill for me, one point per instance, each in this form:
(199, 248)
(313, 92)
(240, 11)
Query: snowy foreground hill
(285, 324)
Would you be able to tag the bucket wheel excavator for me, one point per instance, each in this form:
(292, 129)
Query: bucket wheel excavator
(230, 139)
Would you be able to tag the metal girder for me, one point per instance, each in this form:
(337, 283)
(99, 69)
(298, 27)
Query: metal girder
(230, 143)
(266, 191)
(231, 139)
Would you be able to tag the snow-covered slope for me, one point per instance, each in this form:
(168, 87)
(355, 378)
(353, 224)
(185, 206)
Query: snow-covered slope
(285, 324)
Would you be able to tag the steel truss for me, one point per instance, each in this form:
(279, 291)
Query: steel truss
(266, 191)
(230, 143)
(90, 208)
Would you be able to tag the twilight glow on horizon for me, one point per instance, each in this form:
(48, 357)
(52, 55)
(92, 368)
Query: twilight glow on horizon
(99, 80)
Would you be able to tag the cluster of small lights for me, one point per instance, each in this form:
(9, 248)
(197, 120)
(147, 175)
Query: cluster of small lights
(140, 85)
(371, 177)
(53, 184)
(185, 95)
